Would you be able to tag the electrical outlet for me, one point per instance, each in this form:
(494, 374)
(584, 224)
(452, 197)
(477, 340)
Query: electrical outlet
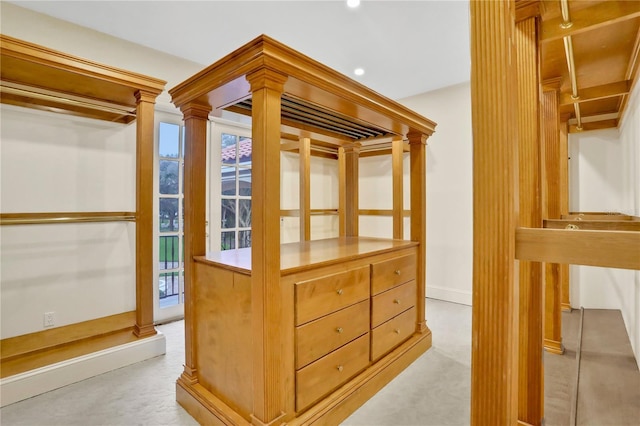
(49, 319)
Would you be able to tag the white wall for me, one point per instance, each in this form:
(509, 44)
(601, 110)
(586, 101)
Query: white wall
(605, 176)
(54, 163)
(449, 192)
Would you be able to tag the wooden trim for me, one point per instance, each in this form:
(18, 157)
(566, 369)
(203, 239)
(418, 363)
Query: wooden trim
(610, 249)
(494, 358)
(20, 345)
(382, 212)
(34, 350)
(313, 212)
(590, 18)
(597, 216)
(65, 217)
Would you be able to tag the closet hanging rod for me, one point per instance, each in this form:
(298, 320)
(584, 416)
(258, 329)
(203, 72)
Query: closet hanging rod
(65, 217)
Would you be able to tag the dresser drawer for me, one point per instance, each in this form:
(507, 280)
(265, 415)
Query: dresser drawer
(393, 332)
(317, 338)
(392, 272)
(321, 296)
(387, 305)
(323, 376)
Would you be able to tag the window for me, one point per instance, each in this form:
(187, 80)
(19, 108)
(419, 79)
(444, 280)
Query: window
(235, 191)
(171, 200)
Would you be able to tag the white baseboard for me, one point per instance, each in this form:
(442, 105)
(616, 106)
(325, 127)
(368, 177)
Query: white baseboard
(35, 382)
(449, 295)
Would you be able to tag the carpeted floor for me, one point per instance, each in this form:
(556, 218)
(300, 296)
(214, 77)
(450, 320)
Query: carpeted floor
(434, 390)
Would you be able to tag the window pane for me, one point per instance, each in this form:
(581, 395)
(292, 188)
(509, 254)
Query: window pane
(244, 239)
(228, 214)
(168, 137)
(169, 251)
(169, 288)
(228, 180)
(228, 240)
(168, 214)
(244, 151)
(244, 213)
(228, 149)
(169, 177)
(244, 181)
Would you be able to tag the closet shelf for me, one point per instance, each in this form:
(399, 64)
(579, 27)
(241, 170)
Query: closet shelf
(37, 77)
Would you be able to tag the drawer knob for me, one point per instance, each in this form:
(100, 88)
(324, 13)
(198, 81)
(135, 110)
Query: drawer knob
(340, 368)
(339, 291)
(397, 272)
(397, 330)
(339, 329)
(396, 301)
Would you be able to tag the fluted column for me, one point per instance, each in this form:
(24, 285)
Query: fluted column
(418, 172)
(266, 291)
(196, 120)
(144, 214)
(397, 151)
(531, 374)
(494, 359)
(305, 188)
(552, 210)
(565, 301)
(349, 187)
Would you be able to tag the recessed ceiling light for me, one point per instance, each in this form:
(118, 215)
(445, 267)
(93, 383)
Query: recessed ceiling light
(353, 3)
(358, 71)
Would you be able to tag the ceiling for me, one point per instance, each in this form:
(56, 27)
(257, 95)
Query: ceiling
(405, 47)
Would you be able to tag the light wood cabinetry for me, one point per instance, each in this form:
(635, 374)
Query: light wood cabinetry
(283, 333)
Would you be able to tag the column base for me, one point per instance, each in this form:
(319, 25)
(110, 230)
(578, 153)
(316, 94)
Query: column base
(554, 346)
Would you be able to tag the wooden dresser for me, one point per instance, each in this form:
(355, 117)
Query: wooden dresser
(305, 332)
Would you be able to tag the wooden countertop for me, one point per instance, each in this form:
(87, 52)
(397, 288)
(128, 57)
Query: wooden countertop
(295, 257)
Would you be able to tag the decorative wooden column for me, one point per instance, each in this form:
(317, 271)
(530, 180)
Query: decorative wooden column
(266, 293)
(305, 189)
(348, 158)
(494, 358)
(397, 151)
(196, 120)
(565, 302)
(418, 171)
(552, 210)
(144, 214)
(531, 373)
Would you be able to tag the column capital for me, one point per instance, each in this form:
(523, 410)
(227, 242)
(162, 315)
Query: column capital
(144, 96)
(552, 84)
(416, 137)
(353, 148)
(266, 79)
(195, 110)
